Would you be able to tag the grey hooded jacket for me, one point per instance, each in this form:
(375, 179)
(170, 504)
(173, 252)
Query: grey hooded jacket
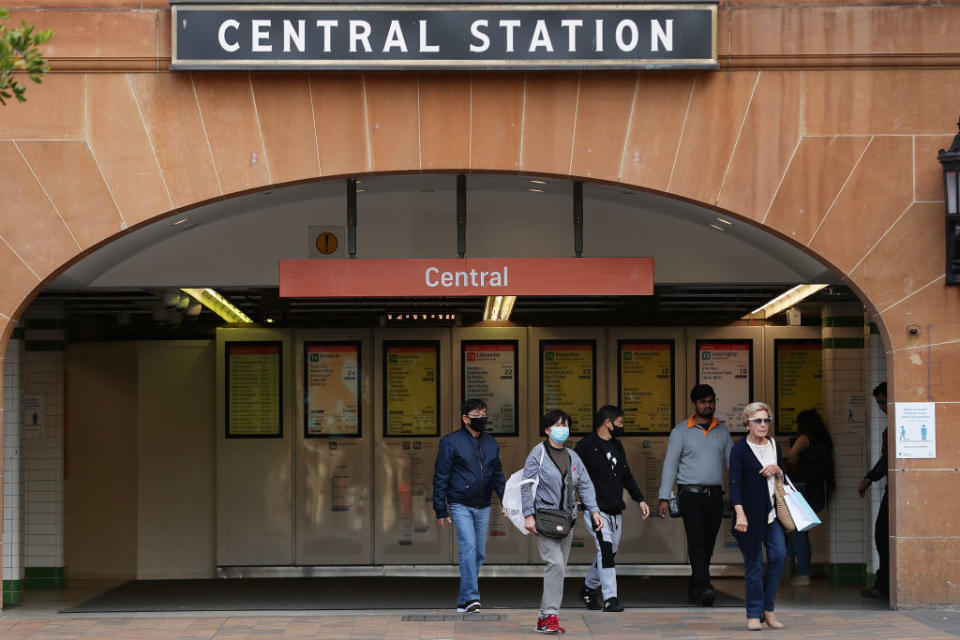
(550, 480)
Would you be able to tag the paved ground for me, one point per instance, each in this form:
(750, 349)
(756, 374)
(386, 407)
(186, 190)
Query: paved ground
(702, 624)
(821, 612)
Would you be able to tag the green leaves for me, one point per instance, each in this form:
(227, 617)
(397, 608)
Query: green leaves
(19, 55)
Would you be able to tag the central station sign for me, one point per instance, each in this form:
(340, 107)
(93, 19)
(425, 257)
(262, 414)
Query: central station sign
(444, 36)
(417, 278)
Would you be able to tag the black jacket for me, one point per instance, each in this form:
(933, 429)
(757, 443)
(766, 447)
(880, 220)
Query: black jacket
(468, 471)
(608, 482)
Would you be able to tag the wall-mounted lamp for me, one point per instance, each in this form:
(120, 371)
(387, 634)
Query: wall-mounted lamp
(950, 159)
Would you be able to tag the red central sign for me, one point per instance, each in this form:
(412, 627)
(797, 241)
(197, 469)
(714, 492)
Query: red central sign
(418, 278)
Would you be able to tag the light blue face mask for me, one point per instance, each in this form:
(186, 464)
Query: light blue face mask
(559, 434)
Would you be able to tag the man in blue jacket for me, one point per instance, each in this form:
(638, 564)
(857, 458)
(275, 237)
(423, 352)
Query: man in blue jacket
(467, 472)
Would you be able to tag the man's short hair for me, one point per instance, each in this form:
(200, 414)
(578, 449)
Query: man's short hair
(880, 389)
(551, 418)
(607, 412)
(472, 404)
(701, 391)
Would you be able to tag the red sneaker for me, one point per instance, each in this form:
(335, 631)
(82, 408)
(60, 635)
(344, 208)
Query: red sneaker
(549, 624)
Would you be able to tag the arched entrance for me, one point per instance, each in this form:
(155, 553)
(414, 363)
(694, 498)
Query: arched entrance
(100, 154)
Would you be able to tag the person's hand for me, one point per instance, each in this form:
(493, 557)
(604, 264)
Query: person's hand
(503, 512)
(863, 486)
(444, 521)
(770, 470)
(663, 508)
(645, 510)
(597, 521)
(530, 525)
(741, 524)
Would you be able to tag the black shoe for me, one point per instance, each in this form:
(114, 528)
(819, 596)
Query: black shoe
(470, 607)
(874, 594)
(612, 604)
(707, 596)
(589, 597)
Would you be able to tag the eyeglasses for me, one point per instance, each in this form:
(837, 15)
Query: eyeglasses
(759, 421)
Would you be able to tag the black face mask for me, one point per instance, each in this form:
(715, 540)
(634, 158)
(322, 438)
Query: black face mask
(478, 424)
(618, 431)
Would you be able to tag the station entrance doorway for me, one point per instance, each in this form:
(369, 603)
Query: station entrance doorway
(301, 440)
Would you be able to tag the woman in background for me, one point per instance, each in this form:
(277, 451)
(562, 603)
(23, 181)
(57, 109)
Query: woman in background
(811, 468)
(560, 472)
(755, 461)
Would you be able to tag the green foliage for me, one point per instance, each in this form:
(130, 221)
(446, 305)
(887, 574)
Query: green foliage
(19, 55)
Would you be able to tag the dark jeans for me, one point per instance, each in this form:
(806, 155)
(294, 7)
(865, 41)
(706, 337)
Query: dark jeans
(881, 535)
(702, 514)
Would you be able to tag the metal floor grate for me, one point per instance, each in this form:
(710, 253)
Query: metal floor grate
(455, 617)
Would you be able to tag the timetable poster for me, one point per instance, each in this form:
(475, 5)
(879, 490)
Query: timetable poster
(411, 388)
(332, 371)
(490, 374)
(646, 386)
(726, 365)
(799, 381)
(568, 380)
(253, 389)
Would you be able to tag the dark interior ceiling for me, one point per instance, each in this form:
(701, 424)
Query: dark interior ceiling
(140, 314)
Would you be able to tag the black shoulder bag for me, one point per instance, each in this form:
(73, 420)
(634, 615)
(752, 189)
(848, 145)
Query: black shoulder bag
(554, 523)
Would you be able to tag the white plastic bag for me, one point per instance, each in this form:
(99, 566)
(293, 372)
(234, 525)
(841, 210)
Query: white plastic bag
(513, 498)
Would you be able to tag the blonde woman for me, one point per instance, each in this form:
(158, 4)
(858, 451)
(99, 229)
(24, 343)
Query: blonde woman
(755, 462)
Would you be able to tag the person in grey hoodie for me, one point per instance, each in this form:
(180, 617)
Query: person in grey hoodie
(559, 472)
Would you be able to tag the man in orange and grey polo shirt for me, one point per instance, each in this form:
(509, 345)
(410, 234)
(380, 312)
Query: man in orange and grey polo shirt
(698, 450)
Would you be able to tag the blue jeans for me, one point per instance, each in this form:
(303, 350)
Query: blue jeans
(471, 524)
(762, 589)
(800, 548)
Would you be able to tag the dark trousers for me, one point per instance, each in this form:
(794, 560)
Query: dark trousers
(881, 535)
(702, 513)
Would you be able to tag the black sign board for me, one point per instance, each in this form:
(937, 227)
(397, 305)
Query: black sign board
(432, 36)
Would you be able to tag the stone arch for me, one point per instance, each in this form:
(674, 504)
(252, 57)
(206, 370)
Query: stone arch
(94, 155)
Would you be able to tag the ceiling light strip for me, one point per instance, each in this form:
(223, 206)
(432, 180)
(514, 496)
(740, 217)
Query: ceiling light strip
(218, 304)
(785, 300)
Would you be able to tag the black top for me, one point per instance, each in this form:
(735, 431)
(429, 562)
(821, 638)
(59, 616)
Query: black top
(606, 462)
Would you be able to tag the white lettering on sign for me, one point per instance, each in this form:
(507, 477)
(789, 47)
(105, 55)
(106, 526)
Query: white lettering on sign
(261, 32)
(395, 38)
(508, 27)
(631, 26)
(222, 35)
(541, 37)
(297, 37)
(360, 34)
(477, 33)
(433, 277)
(659, 36)
(424, 47)
(363, 36)
(571, 26)
(325, 26)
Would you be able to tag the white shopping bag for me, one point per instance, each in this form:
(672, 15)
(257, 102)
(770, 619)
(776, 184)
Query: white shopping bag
(803, 516)
(513, 499)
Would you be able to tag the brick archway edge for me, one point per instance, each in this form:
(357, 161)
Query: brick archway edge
(842, 163)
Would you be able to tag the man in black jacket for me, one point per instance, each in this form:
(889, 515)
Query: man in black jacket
(606, 462)
(467, 472)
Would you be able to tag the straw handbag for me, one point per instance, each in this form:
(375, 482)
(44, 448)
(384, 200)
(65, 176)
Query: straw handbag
(783, 512)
